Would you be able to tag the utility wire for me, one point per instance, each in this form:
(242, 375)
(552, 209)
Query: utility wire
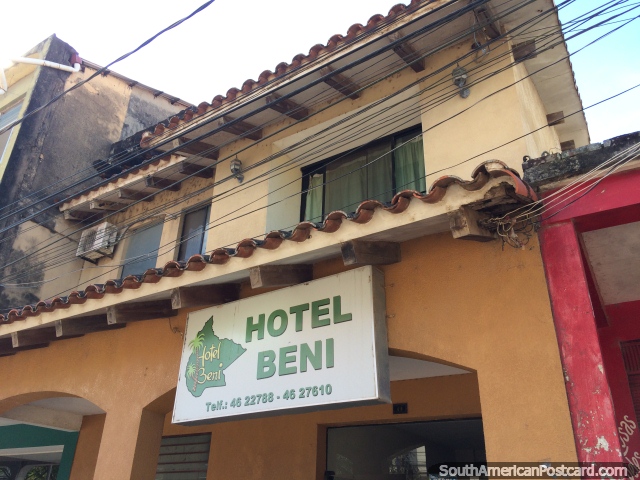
(105, 68)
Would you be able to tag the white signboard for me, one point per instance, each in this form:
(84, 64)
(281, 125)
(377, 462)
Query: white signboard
(321, 344)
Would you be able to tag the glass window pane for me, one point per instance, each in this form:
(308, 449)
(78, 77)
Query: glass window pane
(409, 163)
(142, 250)
(379, 173)
(403, 450)
(346, 183)
(313, 199)
(193, 233)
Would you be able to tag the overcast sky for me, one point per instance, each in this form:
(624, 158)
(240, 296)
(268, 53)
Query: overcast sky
(233, 40)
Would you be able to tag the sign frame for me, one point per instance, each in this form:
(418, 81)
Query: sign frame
(370, 374)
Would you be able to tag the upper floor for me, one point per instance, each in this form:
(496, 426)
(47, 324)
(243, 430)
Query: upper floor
(426, 111)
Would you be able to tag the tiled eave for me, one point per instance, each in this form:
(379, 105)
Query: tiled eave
(408, 215)
(134, 180)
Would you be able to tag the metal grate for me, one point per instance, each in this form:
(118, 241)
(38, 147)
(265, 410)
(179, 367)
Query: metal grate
(183, 457)
(631, 356)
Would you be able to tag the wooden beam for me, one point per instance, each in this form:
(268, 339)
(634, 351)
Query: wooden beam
(286, 107)
(70, 327)
(199, 149)
(77, 215)
(524, 51)
(161, 183)
(196, 170)
(6, 347)
(105, 205)
(361, 252)
(128, 196)
(555, 118)
(279, 275)
(407, 53)
(464, 225)
(134, 312)
(241, 128)
(201, 295)
(34, 336)
(568, 145)
(340, 83)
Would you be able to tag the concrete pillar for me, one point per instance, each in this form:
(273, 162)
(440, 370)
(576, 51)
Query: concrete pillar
(86, 456)
(130, 445)
(588, 392)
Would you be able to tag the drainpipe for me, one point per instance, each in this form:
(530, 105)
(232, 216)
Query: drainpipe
(47, 63)
(75, 59)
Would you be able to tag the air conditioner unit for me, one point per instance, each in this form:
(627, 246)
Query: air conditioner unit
(97, 242)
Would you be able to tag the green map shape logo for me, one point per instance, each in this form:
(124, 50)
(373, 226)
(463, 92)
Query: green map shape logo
(210, 356)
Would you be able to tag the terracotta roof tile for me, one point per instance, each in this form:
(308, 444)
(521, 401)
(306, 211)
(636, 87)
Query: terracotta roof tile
(273, 240)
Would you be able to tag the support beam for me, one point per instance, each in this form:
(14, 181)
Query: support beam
(465, 225)
(524, 51)
(78, 216)
(279, 275)
(70, 327)
(104, 205)
(135, 312)
(407, 53)
(34, 336)
(361, 252)
(286, 107)
(6, 347)
(555, 118)
(129, 196)
(240, 129)
(341, 83)
(201, 295)
(568, 145)
(196, 170)
(161, 183)
(199, 149)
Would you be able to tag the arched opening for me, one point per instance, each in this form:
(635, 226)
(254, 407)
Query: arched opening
(42, 433)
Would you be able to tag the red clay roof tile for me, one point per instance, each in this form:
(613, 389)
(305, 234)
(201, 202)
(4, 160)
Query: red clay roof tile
(273, 240)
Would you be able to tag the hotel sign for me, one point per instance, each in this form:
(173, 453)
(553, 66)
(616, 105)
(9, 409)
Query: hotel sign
(317, 345)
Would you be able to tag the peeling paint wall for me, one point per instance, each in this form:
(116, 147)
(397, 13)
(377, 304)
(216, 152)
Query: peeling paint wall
(62, 140)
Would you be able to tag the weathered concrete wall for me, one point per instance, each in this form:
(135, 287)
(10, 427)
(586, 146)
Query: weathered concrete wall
(462, 303)
(61, 141)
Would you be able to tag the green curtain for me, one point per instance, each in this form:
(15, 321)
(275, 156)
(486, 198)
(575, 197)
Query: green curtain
(346, 183)
(313, 202)
(379, 173)
(409, 163)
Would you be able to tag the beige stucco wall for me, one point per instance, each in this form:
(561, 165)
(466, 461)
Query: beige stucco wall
(469, 304)
(266, 200)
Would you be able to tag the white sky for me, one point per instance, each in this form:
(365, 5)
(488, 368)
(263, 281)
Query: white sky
(232, 41)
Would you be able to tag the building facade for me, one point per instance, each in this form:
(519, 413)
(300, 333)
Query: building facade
(382, 150)
(588, 237)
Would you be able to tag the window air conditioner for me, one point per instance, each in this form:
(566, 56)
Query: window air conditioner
(97, 242)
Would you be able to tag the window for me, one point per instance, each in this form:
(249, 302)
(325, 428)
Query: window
(194, 233)
(402, 450)
(142, 250)
(184, 457)
(8, 116)
(374, 172)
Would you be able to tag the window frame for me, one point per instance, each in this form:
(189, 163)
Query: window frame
(183, 215)
(321, 167)
(130, 234)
